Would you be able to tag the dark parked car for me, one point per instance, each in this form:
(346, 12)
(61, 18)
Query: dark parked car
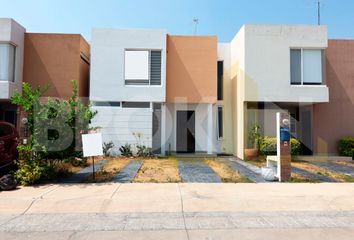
(8, 144)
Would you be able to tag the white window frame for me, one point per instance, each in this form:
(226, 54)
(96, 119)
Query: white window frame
(302, 66)
(13, 80)
(149, 67)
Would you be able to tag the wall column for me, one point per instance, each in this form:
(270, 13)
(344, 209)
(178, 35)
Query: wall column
(163, 129)
(210, 128)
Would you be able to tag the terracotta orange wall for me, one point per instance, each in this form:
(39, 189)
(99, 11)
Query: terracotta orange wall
(191, 69)
(333, 120)
(54, 59)
(84, 78)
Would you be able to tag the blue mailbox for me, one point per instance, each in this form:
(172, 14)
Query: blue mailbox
(284, 134)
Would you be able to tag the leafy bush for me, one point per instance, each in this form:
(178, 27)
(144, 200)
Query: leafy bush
(295, 147)
(107, 146)
(268, 146)
(30, 172)
(346, 146)
(126, 150)
(144, 151)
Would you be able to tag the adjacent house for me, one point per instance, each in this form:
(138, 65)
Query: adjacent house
(12, 38)
(40, 59)
(272, 68)
(55, 60)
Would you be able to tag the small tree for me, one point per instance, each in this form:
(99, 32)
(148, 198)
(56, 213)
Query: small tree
(56, 113)
(254, 134)
(29, 100)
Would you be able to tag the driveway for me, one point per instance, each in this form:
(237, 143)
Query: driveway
(179, 211)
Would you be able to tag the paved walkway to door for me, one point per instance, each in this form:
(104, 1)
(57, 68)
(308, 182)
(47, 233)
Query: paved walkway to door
(84, 173)
(311, 175)
(250, 171)
(128, 173)
(195, 171)
(348, 170)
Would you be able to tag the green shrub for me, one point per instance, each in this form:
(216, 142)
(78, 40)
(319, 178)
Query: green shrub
(268, 146)
(346, 146)
(31, 172)
(295, 147)
(126, 150)
(144, 151)
(107, 147)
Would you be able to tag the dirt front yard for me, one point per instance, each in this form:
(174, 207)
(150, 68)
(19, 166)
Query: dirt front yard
(226, 173)
(158, 171)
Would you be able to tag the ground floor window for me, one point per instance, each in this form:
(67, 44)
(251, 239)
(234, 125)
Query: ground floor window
(220, 122)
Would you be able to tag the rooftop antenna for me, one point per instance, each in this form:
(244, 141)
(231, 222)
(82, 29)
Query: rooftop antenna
(319, 12)
(196, 22)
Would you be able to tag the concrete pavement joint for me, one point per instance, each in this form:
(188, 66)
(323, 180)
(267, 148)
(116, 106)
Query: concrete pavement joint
(182, 208)
(115, 191)
(29, 206)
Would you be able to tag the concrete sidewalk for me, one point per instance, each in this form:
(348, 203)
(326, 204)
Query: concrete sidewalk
(178, 211)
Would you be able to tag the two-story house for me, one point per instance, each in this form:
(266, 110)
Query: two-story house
(272, 68)
(154, 89)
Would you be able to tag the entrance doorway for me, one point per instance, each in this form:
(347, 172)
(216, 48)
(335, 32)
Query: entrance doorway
(185, 132)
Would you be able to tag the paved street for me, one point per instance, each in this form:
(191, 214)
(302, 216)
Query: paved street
(179, 211)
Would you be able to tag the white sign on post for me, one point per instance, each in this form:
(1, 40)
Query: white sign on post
(92, 144)
(91, 147)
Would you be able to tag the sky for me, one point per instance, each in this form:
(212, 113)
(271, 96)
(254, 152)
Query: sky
(216, 17)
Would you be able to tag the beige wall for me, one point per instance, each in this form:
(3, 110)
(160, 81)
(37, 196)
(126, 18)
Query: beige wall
(54, 59)
(191, 69)
(335, 119)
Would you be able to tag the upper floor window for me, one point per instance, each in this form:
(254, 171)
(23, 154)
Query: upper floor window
(7, 62)
(220, 79)
(142, 67)
(306, 66)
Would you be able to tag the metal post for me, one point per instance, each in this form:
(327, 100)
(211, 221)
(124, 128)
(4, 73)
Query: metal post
(319, 12)
(93, 168)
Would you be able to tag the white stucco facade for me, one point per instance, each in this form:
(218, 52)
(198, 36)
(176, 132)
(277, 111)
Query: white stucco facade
(260, 71)
(225, 144)
(13, 33)
(267, 62)
(124, 126)
(107, 81)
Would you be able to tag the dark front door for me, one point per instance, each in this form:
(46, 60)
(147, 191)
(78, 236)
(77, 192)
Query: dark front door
(306, 131)
(185, 132)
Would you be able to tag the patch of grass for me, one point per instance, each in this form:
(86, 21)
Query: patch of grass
(158, 171)
(100, 176)
(297, 178)
(260, 161)
(345, 163)
(324, 172)
(226, 173)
